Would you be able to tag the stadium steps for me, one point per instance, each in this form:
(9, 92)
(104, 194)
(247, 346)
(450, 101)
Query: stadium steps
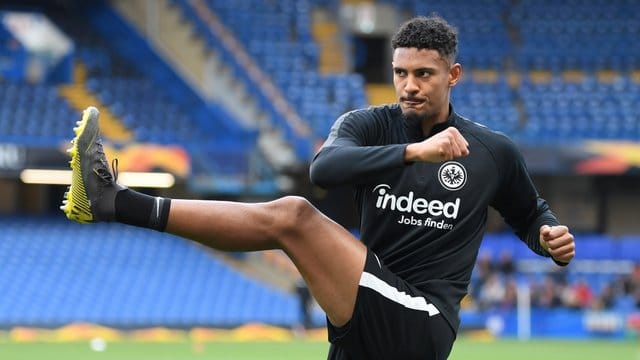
(326, 33)
(172, 36)
(488, 76)
(175, 36)
(356, 2)
(80, 98)
(176, 40)
(573, 76)
(540, 76)
(607, 76)
(379, 94)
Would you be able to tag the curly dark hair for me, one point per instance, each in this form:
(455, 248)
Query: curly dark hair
(428, 32)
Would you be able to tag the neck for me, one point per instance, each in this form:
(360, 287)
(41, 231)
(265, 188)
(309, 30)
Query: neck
(431, 121)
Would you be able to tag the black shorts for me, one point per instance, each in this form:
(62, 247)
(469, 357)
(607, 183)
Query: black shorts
(391, 320)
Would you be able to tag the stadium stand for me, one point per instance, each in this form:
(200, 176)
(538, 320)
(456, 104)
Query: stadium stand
(491, 103)
(286, 50)
(525, 38)
(33, 114)
(588, 36)
(483, 34)
(579, 110)
(170, 115)
(54, 273)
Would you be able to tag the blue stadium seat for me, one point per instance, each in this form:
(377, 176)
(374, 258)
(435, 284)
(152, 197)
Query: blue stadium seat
(34, 114)
(559, 35)
(285, 28)
(56, 272)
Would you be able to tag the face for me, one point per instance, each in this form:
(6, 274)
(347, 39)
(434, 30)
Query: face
(422, 79)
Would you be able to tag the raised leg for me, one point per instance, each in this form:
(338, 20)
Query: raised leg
(329, 258)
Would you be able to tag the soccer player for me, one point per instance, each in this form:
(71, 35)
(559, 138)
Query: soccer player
(423, 178)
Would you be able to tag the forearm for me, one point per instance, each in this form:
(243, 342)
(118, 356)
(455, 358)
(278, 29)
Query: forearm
(341, 165)
(412, 152)
(532, 235)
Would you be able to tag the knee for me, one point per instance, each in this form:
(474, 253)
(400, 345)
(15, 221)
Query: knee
(293, 213)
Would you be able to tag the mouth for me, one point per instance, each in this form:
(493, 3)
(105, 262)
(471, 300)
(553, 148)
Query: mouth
(412, 102)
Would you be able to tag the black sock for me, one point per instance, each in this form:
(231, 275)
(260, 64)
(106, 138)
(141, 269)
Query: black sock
(142, 210)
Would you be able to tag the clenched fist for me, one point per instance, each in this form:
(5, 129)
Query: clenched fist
(558, 241)
(446, 145)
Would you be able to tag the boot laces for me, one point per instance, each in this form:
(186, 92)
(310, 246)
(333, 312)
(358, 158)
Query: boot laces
(103, 171)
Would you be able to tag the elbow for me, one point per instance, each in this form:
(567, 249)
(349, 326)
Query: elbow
(318, 175)
(322, 172)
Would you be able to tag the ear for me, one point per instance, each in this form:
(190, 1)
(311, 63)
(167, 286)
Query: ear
(455, 74)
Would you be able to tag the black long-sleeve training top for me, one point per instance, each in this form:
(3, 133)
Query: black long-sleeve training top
(426, 220)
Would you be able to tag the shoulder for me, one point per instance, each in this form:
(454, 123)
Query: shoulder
(492, 139)
(365, 125)
(373, 119)
(503, 151)
(385, 112)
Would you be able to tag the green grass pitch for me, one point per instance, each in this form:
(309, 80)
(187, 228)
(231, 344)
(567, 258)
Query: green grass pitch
(464, 349)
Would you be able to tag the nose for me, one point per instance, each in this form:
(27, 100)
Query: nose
(411, 86)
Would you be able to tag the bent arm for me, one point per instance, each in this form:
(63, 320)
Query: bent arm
(519, 202)
(529, 232)
(344, 162)
(355, 152)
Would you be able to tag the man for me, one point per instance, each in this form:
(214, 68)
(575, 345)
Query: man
(423, 179)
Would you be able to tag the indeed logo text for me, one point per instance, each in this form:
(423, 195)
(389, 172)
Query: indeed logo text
(410, 204)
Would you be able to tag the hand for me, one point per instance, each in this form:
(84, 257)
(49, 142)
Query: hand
(445, 145)
(558, 241)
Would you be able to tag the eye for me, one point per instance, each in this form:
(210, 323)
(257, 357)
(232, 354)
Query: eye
(424, 73)
(399, 72)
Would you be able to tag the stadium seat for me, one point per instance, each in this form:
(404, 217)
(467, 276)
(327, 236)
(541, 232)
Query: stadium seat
(56, 272)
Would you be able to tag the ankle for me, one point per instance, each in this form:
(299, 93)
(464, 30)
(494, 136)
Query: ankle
(138, 209)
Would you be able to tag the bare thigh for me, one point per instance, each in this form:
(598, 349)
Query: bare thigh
(329, 258)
